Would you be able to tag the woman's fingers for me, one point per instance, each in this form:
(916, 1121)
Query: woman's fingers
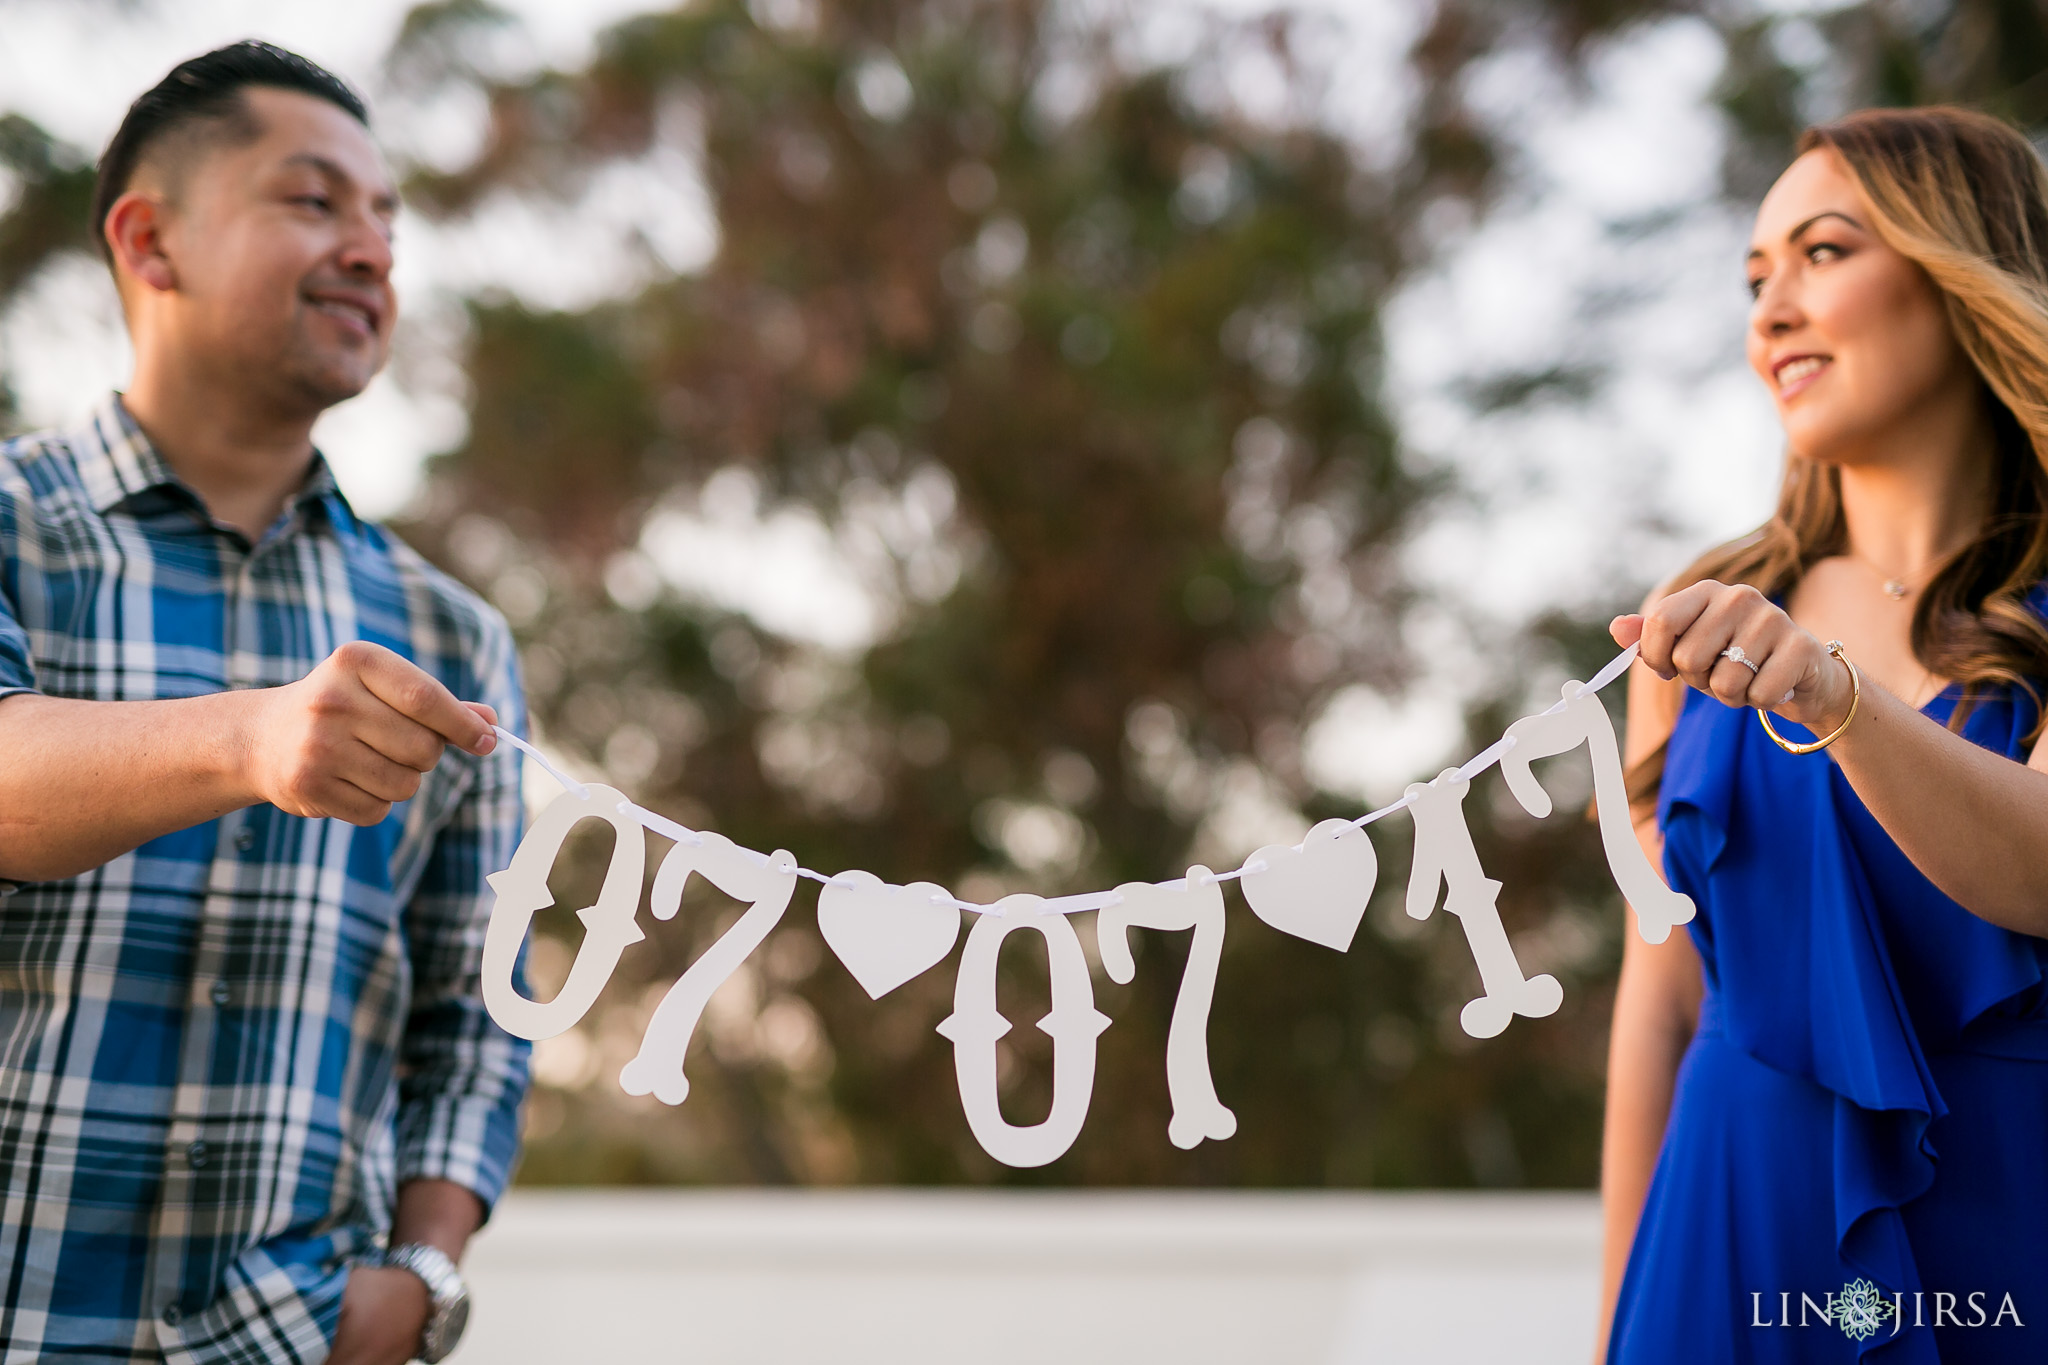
(1726, 618)
(1744, 623)
(1775, 683)
(1626, 630)
(1669, 621)
(1690, 633)
(1731, 682)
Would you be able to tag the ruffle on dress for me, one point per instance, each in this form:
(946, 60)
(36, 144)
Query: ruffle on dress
(1835, 959)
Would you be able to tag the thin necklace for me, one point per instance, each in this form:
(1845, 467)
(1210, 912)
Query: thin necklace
(1898, 589)
(1895, 586)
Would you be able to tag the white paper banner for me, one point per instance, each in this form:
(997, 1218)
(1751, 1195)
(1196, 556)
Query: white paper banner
(886, 935)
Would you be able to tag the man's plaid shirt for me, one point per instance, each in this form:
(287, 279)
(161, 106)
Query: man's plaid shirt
(222, 1052)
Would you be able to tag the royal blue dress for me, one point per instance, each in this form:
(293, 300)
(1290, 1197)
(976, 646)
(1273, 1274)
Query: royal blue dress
(1863, 1111)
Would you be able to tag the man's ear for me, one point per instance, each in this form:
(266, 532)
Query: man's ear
(135, 237)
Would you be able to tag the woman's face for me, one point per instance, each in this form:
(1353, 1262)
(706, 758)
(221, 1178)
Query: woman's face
(1849, 336)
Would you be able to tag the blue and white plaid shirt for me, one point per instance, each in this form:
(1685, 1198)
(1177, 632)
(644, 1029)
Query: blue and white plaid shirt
(222, 1052)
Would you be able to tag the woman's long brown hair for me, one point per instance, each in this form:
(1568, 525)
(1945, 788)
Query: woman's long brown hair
(1964, 197)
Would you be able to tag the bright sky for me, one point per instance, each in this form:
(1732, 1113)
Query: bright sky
(1686, 439)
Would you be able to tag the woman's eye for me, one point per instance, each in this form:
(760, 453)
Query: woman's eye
(1822, 252)
(1756, 285)
(317, 201)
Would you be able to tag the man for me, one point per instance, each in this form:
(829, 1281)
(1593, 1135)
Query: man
(243, 814)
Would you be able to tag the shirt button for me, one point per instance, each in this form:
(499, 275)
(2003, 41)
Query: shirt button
(196, 1154)
(245, 838)
(220, 993)
(173, 1315)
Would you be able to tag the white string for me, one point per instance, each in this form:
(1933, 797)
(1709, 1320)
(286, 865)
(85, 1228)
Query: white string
(537, 756)
(1087, 900)
(662, 825)
(1613, 669)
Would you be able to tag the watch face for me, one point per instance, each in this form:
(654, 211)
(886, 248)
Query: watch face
(445, 1329)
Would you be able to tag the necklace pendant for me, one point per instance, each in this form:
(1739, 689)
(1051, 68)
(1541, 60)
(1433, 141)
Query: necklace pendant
(1894, 589)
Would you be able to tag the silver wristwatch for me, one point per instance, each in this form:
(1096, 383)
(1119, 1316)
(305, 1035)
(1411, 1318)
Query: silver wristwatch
(445, 1285)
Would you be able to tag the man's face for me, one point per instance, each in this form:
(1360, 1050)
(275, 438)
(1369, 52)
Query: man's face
(280, 254)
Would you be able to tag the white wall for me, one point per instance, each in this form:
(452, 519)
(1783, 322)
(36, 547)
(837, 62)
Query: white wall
(1070, 1278)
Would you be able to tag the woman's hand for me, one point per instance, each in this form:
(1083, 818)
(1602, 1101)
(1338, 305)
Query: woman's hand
(1682, 636)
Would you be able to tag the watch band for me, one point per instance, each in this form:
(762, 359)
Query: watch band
(446, 1288)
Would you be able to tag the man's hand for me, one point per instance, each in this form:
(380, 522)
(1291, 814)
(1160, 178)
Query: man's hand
(353, 737)
(384, 1313)
(86, 781)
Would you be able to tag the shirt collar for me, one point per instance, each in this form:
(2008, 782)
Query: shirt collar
(320, 492)
(116, 462)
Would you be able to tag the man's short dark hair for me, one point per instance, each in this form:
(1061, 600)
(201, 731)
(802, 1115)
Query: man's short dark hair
(207, 90)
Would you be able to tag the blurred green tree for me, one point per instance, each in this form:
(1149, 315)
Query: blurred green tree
(1088, 361)
(46, 193)
(1077, 364)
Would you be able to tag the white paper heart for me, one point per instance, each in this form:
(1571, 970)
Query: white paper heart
(886, 934)
(1318, 891)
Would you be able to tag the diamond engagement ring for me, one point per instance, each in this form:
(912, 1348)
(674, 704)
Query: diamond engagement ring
(1735, 652)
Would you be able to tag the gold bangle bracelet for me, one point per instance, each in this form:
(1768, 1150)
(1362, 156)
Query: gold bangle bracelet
(1855, 696)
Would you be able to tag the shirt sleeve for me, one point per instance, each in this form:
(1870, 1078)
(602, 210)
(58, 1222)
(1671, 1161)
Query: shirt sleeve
(17, 659)
(461, 1077)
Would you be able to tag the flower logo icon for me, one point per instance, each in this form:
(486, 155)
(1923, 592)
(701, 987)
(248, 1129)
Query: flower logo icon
(1861, 1309)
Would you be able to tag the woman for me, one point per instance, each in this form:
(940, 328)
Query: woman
(1827, 1126)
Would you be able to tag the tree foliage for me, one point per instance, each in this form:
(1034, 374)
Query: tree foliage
(1092, 361)
(1078, 365)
